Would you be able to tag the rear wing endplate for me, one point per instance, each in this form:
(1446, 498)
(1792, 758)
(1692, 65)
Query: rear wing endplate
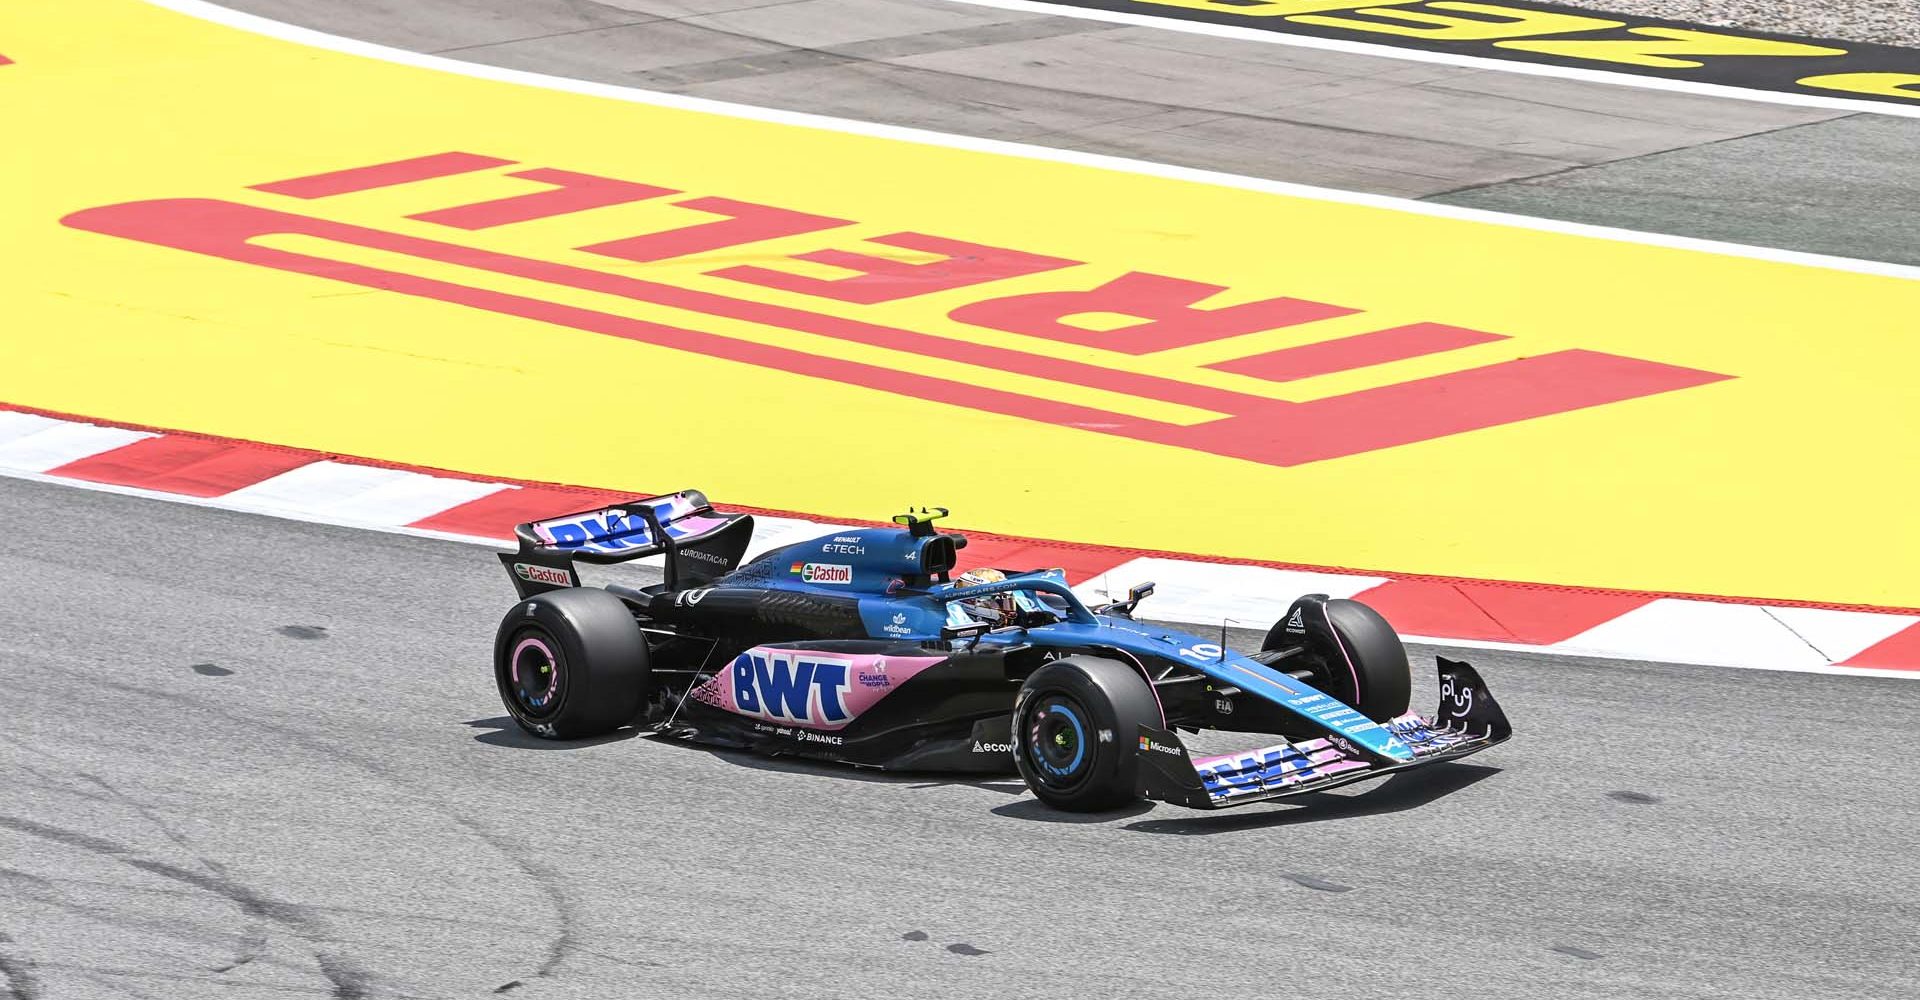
(700, 543)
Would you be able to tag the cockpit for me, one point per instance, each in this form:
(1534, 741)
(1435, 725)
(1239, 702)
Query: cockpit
(1007, 606)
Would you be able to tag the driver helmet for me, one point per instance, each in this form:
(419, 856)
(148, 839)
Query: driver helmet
(997, 608)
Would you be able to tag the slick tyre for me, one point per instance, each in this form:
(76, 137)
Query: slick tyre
(1075, 725)
(1364, 665)
(571, 664)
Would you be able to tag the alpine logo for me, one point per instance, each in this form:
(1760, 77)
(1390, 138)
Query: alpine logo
(1295, 623)
(785, 686)
(837, 574)
(543, 574)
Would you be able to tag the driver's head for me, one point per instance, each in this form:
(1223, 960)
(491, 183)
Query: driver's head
(993, 607)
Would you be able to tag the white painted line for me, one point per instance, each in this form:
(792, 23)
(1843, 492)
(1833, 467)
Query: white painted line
(1206, 593)
(227, 503)
(50, 447)
(360, 494)
(1736, 635)
(1170, 22)
(419, 495)
(306, 36)
(1841, 635)
(1563, 649)
(1598, 646)
(317, 487)
(15, 425)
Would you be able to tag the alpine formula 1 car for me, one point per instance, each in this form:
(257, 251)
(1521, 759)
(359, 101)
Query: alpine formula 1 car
(864, 647)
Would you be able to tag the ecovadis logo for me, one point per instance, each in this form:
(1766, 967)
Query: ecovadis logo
(1137, 369)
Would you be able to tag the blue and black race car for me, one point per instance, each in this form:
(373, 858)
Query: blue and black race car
(864, 647)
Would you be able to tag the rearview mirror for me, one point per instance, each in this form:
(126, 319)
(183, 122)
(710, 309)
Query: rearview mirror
(971, 630)
(1124, 609)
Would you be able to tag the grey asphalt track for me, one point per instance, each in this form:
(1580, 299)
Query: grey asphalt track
(1808, 179)
(246, 757)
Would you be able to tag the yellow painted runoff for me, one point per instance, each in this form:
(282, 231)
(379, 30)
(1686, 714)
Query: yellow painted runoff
(215, 231)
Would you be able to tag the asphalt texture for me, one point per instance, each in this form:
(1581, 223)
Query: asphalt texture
(1601, 154)
(1889, 22)
(247, 757)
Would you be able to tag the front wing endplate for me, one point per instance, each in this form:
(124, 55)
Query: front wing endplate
(1467, 721)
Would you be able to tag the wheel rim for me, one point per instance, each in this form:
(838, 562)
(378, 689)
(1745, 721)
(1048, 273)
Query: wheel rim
(1057, 742)
(533, 676)
(1336, 680)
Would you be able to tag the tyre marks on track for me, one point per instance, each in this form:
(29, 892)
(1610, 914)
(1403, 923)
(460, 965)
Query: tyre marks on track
(347, 975)
(17, 973)
(561, 940)
(346, 979)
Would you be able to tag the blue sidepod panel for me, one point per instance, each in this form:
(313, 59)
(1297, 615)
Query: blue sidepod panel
(889, 571)
(854, 562)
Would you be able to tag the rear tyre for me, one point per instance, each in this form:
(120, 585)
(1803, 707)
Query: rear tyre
(1362, 662)
(1075, 724)
(571, 664)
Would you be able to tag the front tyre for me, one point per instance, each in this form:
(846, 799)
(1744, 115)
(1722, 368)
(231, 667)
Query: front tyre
(1360, 658)
(1075, 723)
(571, 664)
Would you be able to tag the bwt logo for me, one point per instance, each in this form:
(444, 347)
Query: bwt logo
(609, 531)
(781, 686)
(1257, 767)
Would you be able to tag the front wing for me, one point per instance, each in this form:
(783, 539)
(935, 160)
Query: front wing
(1467, 722)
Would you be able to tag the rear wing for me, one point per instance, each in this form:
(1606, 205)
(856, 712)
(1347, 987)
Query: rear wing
(700, 543)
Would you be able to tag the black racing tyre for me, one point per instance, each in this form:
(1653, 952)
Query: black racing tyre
(571, 664)
(1366, 666)
(1075, 725)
